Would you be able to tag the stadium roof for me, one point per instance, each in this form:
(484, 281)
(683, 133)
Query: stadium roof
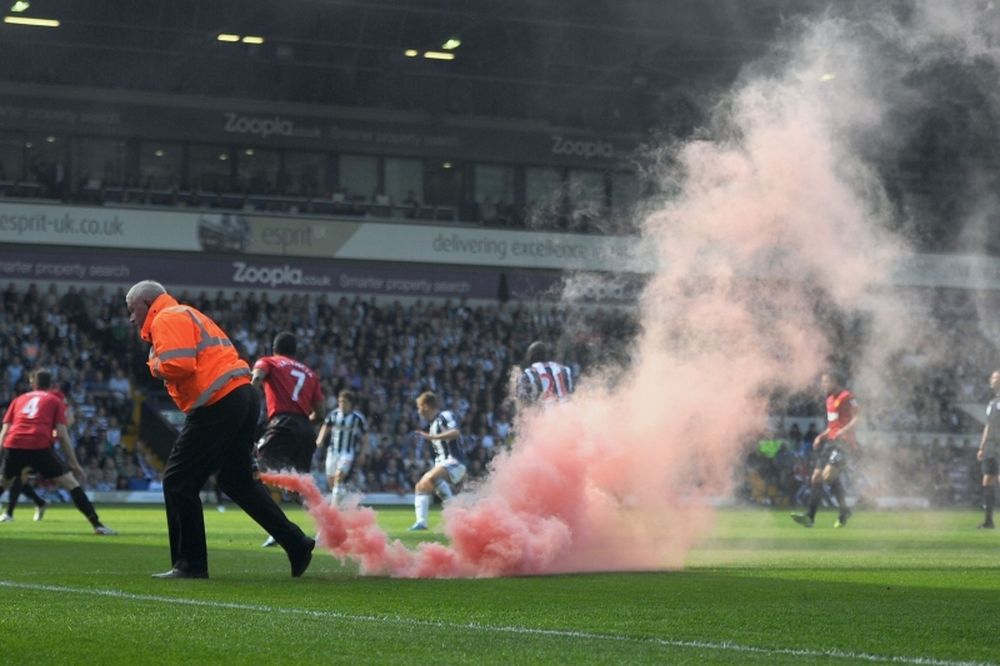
(604, 63)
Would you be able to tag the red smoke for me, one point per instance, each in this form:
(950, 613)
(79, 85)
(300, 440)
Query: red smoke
(771, 215)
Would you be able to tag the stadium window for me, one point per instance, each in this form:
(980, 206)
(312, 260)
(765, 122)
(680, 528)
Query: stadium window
(358, 175)
(403, 176)
(624, 194)
(258, 170)
(207, 172)
(46, 160)
(493, 191)
(11, 156)
(98, 162)
(544, 195)
(161, 165)
(587, 198)
(443, 183)
(307, 174)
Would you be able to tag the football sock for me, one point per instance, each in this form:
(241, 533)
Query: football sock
(84, 505)
(339, 491)
(14, 492)
(443, 489)
(838, 492)
(989, 499)
(421, 507)
(29, 491)
(815, 495)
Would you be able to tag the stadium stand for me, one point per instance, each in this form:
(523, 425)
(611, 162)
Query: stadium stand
(356, 132)
(389, 352)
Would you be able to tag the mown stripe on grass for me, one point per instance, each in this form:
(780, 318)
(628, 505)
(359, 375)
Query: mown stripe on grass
(724, 646)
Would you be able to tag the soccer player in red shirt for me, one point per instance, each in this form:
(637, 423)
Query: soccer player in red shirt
(21, 485)
(27, 441)
(294, 401)
(830, 449)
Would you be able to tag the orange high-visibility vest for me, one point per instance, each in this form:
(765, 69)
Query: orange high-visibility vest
(191, 354)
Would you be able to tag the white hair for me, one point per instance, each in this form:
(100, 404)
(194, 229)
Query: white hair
(145, 290)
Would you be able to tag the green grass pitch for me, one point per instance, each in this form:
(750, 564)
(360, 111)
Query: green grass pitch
(907, 587)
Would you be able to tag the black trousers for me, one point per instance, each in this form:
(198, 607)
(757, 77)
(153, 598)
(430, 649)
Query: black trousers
(218, 439)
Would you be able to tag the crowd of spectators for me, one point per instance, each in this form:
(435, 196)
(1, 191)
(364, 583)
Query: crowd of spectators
(388, 352)
(76, 335)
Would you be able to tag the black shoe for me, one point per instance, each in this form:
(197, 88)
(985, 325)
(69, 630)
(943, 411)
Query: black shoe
(301, 558)
(803, 519)
(842, 520)
(986, 526)
(181, 573)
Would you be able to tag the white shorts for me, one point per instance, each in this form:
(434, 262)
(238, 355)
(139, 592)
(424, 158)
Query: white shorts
(338, 462)
(455, 469)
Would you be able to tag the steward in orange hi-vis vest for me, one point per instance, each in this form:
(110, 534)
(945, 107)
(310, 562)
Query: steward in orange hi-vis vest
(191, 354)
(211, 384)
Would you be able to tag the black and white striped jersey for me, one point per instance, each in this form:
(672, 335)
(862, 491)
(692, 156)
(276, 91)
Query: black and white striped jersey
(545, 381)
(345, 430)
(446, 451)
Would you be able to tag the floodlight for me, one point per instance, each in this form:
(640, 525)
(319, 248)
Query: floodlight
(38, 22)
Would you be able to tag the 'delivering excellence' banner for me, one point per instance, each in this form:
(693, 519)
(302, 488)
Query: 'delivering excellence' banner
(299, 236)
(249, 235)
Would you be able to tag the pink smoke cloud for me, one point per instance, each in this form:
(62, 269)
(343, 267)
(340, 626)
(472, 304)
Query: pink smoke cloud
(769, 217)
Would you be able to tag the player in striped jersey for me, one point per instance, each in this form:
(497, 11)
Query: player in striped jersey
(543, 381)
(341, 435)
(449, 457)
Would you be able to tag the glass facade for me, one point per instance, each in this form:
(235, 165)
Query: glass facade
(46, 159)
(544, 194)
(11, 156)
(359, 175)
(258, 171)
(161, 165)
(230, 176)
(307, 174)
(586, 198)
(494, 183)
(99, 162)
(404, 177)
(210, 168)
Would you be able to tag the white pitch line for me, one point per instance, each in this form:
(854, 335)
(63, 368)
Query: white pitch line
(499, 629)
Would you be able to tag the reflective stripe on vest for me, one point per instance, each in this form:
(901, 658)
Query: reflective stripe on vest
(177, 353)
(207, 341)
(221, 381)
